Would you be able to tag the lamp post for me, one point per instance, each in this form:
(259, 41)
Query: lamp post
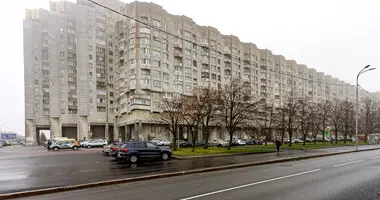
(365, 69)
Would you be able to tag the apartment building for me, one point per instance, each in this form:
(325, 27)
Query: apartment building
(91, 73)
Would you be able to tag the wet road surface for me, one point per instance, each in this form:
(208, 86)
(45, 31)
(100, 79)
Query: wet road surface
(343, 177)
(27, 168)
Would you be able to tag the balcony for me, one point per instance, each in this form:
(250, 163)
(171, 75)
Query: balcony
(177, 44)
(145, 66)
(178, 54)
(178, 64)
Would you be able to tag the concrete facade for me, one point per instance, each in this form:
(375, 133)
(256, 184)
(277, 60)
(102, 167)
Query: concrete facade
(88, 69)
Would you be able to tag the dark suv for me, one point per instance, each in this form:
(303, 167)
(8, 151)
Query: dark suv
(134, 152)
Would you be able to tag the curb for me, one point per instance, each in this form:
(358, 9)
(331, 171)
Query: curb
(218, 155)
(165, 175)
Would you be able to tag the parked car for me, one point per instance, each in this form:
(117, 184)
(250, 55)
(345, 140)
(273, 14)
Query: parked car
(164, 142)
(255, 142)
(308, 140)
(218, 143)
(107, 149)
(156, 140)
(241, 142)
(55, 146)
(1, 144)
(134, 152)
(115, 149)
(84, 143)
(96, 143)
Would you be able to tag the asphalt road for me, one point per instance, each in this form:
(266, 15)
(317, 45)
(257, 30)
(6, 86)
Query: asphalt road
(343, 177)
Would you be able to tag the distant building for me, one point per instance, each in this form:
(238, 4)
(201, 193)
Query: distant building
(91, 73)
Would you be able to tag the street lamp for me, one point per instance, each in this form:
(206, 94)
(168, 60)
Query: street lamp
(364, 70)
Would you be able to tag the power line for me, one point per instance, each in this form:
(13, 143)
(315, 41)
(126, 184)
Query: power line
(369, 93)
(194, 43)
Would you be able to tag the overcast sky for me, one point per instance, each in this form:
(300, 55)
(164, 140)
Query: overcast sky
(337, 37)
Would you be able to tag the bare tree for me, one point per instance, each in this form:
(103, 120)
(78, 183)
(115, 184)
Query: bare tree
(315, 121)
(324, 109)
(209, 99)
(291, 109)
(348, 114)
(337, 117)
(235, 107)
(173, 116)
(369, 116)
(267, 119)
(192, 115)
(305, 118)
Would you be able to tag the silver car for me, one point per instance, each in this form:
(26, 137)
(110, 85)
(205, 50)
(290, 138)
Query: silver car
(63, 145)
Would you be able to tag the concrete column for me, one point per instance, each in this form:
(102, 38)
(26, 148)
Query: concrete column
(55, 127)
(140, 133)
(106, 134)
(127, 132)
(30, 132)
(135, 131)
(116, 134)
(83, 127)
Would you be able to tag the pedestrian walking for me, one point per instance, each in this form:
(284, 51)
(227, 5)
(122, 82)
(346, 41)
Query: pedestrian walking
(48, 145)
(278, 144)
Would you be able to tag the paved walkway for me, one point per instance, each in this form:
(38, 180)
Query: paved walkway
(70, 168)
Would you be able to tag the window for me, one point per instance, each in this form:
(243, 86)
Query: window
(90, 65)
(144, 61)
(111, 102)
(144, 51)
(139, 145)
(144, 81)
(157, 83)
(188, 79)
(62, 111)
(188, 62)
(132, 61)
(99, 58)
(111, 94)
(110, 61)
(150, 145)
(90, 57)
(166, 85)
(166, 76)
(156, 54)
(62, 53)
(111, 85)
(110, 69)
(35, 81)
(132, 71)
(111, 77)
(101, 109)
(156, 73)
(178, 87)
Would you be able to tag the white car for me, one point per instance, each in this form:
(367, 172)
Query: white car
(96, 143)
(241, 142)
(164, 142)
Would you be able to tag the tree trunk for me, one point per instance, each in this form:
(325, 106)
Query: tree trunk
(290, 139)
(345, 137)
(315, 139)
(282, 135)
(206, 135)
(193, 139)
(336, 137)
(230, 142)
(175, 141)
(323, 133)
(304, 140)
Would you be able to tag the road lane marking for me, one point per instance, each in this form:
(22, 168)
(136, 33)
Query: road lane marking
(375, 157)
(250, 184)
(349, 163)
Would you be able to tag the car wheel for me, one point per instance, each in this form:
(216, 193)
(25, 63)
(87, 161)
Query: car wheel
(75, 148)
(165, 156)
(88, 146)
(55, 149)
(133, 159)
